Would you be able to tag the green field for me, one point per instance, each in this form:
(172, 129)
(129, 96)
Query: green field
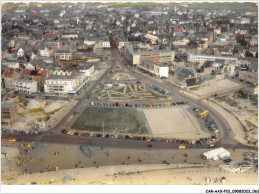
(114, 120)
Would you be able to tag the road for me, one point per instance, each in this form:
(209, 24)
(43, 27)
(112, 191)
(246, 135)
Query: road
(52, 137)
(226, 135)
(227, 138)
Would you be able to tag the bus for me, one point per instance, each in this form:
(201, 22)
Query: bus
(203, 114)
(181, 147)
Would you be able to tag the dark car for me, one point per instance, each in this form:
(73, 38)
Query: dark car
(173, 103)
(126, 137)
(63, 131)
(99, 135)
(199, 142)
(107, 136)
(144, 138)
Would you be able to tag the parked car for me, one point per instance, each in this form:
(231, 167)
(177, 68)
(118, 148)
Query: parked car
(99, 135)
(212, 146)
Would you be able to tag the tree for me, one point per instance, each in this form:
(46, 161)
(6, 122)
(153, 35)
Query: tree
(248, 54)
(234, 51)
(241, 39)
(192, 43)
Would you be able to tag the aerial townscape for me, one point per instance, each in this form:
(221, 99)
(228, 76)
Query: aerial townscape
(129, 93)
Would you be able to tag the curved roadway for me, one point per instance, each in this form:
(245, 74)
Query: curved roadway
(227, 138)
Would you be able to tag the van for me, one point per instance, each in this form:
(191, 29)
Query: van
(11, 139)
(181, 147)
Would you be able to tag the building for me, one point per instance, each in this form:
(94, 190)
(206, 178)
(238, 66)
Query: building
(159, 70)
(193, 57)
(20, 52)
(63, 54)
(65, 36)
(249, 77)
(8, 113)
(106, 44)
(156, 56)
(251, 89)
(12, 63)
(61, 82)
(216, 154)
(182, 42)
(230, 69)
(87, 70)
(152, 38)
(186, 77)
(9, 78)
(254, 41)
(25, 86)
(52, 43)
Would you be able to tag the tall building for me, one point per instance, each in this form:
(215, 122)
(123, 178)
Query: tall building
(156, 56)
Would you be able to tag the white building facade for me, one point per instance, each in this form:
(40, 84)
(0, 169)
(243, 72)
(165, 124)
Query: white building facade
(250, 77)
(25, 86)
(203, 58)
(64, 84)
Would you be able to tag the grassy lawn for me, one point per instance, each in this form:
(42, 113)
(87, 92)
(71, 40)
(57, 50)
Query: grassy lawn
(140, 93)
(118, 120)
